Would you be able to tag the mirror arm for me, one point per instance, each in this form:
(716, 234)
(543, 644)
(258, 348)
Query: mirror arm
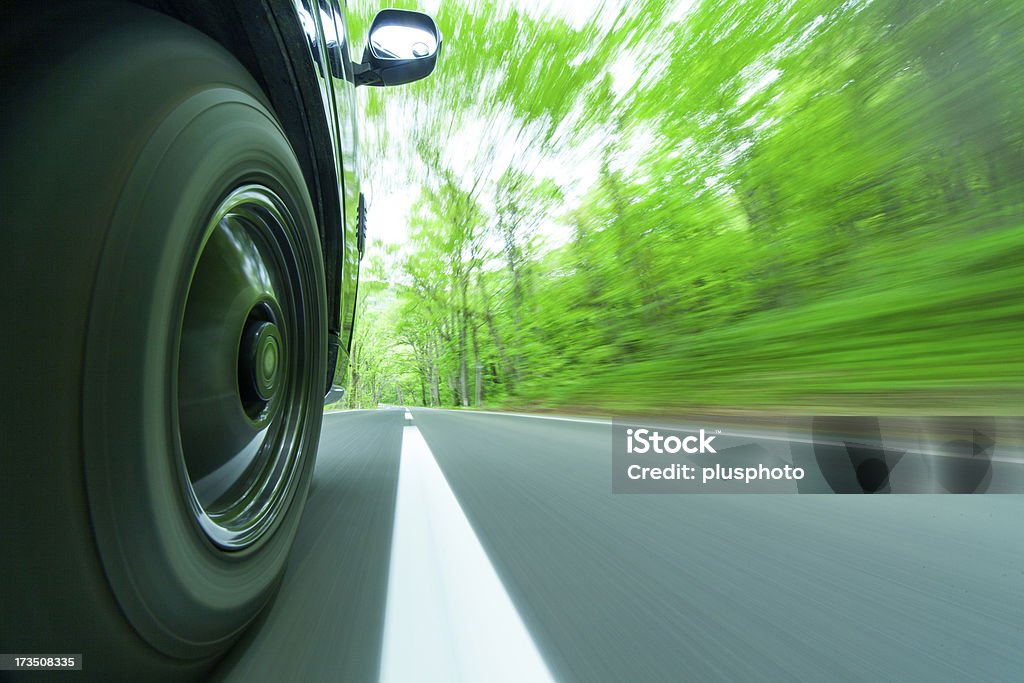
(365, 74)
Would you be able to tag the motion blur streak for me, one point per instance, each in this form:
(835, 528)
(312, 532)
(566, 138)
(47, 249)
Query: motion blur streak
(448, 616)
(815, 205)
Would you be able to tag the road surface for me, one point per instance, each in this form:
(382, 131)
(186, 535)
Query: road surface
(446, 545)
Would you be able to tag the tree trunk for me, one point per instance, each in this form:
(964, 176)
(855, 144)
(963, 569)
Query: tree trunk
(463, 351)
(479, 388)
(507, 369)
(435, 390)
(353, 389)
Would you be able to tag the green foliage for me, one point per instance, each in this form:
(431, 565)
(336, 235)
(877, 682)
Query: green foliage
(805, 205)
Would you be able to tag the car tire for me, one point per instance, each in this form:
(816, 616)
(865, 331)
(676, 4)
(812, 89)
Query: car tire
(164, 346)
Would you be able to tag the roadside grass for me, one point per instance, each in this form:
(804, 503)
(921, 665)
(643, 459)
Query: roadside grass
(938, 330)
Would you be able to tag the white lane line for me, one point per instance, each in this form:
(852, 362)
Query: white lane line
(591, 420)
(408, 415)
(448, 616)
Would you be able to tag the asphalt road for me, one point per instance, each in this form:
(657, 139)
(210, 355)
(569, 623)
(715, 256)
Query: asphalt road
(621, 587)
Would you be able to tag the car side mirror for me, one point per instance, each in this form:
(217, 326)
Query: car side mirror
(402, 47)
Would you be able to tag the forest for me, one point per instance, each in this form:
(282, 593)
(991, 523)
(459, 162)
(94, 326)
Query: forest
(786, 205)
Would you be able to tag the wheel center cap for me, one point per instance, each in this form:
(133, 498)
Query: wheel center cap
(266, 359)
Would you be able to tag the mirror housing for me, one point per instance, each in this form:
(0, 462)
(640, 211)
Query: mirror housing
(402, 47)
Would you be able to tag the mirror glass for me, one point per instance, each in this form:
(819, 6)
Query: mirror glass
(394, 41)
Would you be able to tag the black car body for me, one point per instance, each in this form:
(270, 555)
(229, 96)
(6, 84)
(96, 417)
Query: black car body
(182, 226)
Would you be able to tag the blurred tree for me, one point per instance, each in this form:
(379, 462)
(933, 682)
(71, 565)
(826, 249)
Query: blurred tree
(804, 204)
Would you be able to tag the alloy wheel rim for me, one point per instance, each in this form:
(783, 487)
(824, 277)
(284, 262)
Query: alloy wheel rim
(243, 369)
